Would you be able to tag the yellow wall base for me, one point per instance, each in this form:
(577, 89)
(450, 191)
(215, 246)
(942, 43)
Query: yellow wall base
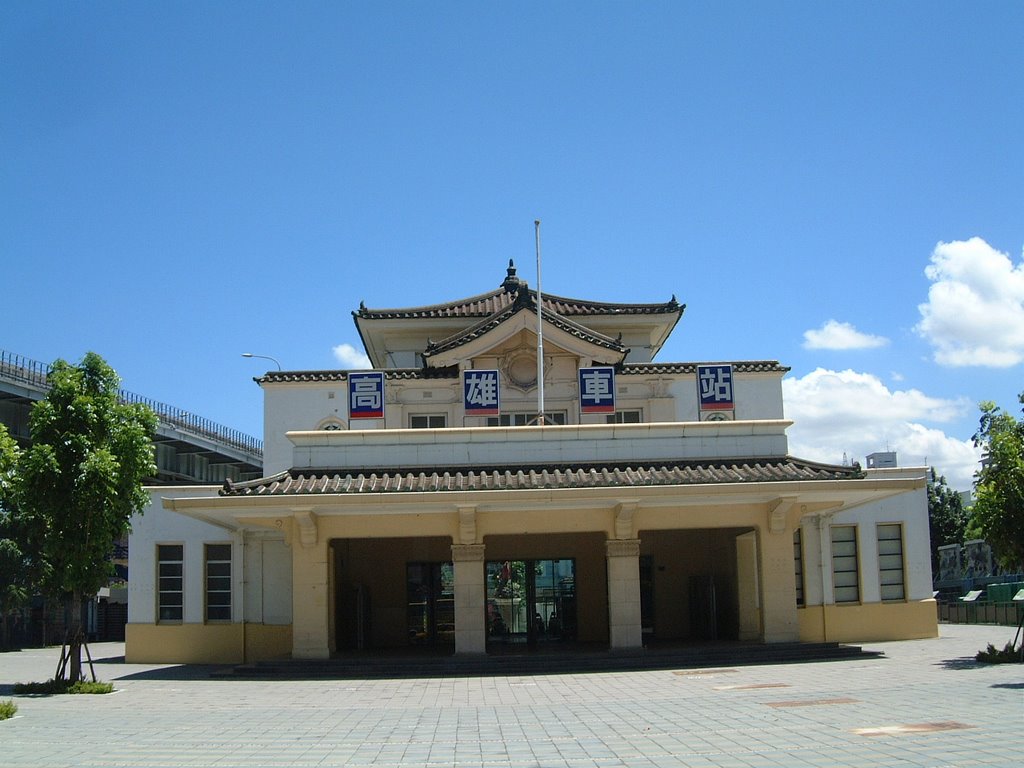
(267, 641)
(868, 623)
(205, 643)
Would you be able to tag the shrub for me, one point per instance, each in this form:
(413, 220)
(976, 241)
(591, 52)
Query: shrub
(85, 687)
(62, 686)
(7, 709)
(1009, 655)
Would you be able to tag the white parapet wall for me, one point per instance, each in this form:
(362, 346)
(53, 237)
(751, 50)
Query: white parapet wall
(496, 446)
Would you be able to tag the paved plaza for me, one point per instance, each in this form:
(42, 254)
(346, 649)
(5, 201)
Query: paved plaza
(924, 703)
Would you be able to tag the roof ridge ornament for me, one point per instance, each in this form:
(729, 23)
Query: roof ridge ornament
(512, 282)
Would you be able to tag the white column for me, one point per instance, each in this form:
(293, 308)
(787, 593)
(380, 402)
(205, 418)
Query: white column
(624, 625)
(470, 599)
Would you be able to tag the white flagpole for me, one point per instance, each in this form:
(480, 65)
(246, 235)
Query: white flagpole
(540, 335)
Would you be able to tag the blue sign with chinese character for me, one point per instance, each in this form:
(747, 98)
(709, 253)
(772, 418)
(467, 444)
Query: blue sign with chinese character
(597, 390)
(366, 395)
(714, 384)
(480, 393)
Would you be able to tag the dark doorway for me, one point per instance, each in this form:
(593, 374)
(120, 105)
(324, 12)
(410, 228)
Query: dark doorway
(430, 591)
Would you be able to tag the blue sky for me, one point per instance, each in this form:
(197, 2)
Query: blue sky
(839, 187)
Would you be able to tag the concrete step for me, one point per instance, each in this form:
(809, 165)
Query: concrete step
(380, 665)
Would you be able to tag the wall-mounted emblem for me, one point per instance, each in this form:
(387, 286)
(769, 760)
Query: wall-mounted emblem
(597, 389)
(366, 395)
(480, 393)
(714, 387)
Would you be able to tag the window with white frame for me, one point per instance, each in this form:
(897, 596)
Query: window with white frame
(845, 584)
(427, 421)
(218, 582)
(524, 419)
(798, 566)
(634, 416)
(170, 560)
(890, 561)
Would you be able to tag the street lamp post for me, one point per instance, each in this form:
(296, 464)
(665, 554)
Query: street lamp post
(264, 357)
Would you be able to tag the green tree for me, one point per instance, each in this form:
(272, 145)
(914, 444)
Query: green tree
(998, 509)
(8, 463)
(947, 519)
(81, 481)
(14, 581)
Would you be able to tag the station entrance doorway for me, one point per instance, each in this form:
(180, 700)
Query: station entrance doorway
(531, 602)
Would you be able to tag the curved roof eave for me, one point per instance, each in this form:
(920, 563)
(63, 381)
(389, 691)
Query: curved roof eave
(488, 324)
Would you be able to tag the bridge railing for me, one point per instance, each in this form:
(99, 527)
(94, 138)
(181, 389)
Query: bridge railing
(21, 369)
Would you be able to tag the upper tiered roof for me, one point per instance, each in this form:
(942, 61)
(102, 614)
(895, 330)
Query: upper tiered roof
(512, 290)
(453, 323)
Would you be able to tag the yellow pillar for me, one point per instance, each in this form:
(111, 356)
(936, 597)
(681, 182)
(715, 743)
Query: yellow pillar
(778, 586)
(624, 623)
(747, 586)
(470, 599)
(310, 590)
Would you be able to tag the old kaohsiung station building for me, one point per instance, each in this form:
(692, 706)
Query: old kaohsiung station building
(420, 504)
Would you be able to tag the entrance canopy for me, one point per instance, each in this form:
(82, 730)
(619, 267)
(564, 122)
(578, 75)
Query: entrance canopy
(671, 475)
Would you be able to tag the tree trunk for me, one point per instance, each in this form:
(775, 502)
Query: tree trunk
(75, 641)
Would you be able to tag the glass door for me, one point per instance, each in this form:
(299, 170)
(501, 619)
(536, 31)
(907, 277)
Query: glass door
(430, 612)
(531, 601)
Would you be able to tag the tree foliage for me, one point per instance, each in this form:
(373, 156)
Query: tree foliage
(998, 509)
(14, 571)
(9, 454)
(947, 520)
(80, 481)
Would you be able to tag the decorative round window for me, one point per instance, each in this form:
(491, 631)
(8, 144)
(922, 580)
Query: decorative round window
(521, 370)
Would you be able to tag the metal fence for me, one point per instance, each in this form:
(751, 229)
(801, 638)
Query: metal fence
(1007, 614)
(24, 370)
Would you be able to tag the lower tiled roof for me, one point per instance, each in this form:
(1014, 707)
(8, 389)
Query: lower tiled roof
(540, 476)
(448, 372)
(452, 371)
(744, 366)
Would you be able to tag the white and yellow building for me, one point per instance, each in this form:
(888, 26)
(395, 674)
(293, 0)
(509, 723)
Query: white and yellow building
(421, 505)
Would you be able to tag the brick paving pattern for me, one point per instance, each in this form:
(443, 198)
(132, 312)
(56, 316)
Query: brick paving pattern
(925, 703)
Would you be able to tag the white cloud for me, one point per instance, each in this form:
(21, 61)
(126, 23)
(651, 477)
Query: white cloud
(836, 335)
(975, 309)
(853, 413)
(350, 357)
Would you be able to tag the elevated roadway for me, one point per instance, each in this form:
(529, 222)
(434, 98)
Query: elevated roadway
(190, 448)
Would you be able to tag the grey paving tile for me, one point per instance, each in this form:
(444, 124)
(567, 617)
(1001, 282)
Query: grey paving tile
(637, 719)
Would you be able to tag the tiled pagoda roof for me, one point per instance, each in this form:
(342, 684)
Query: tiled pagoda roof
(452, 372)
(295, 482)
(743, 366)
(514, 289)
(499, 317)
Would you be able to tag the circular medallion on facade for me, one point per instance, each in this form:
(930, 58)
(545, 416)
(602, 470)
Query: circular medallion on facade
(717, 416)
(521, 369)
